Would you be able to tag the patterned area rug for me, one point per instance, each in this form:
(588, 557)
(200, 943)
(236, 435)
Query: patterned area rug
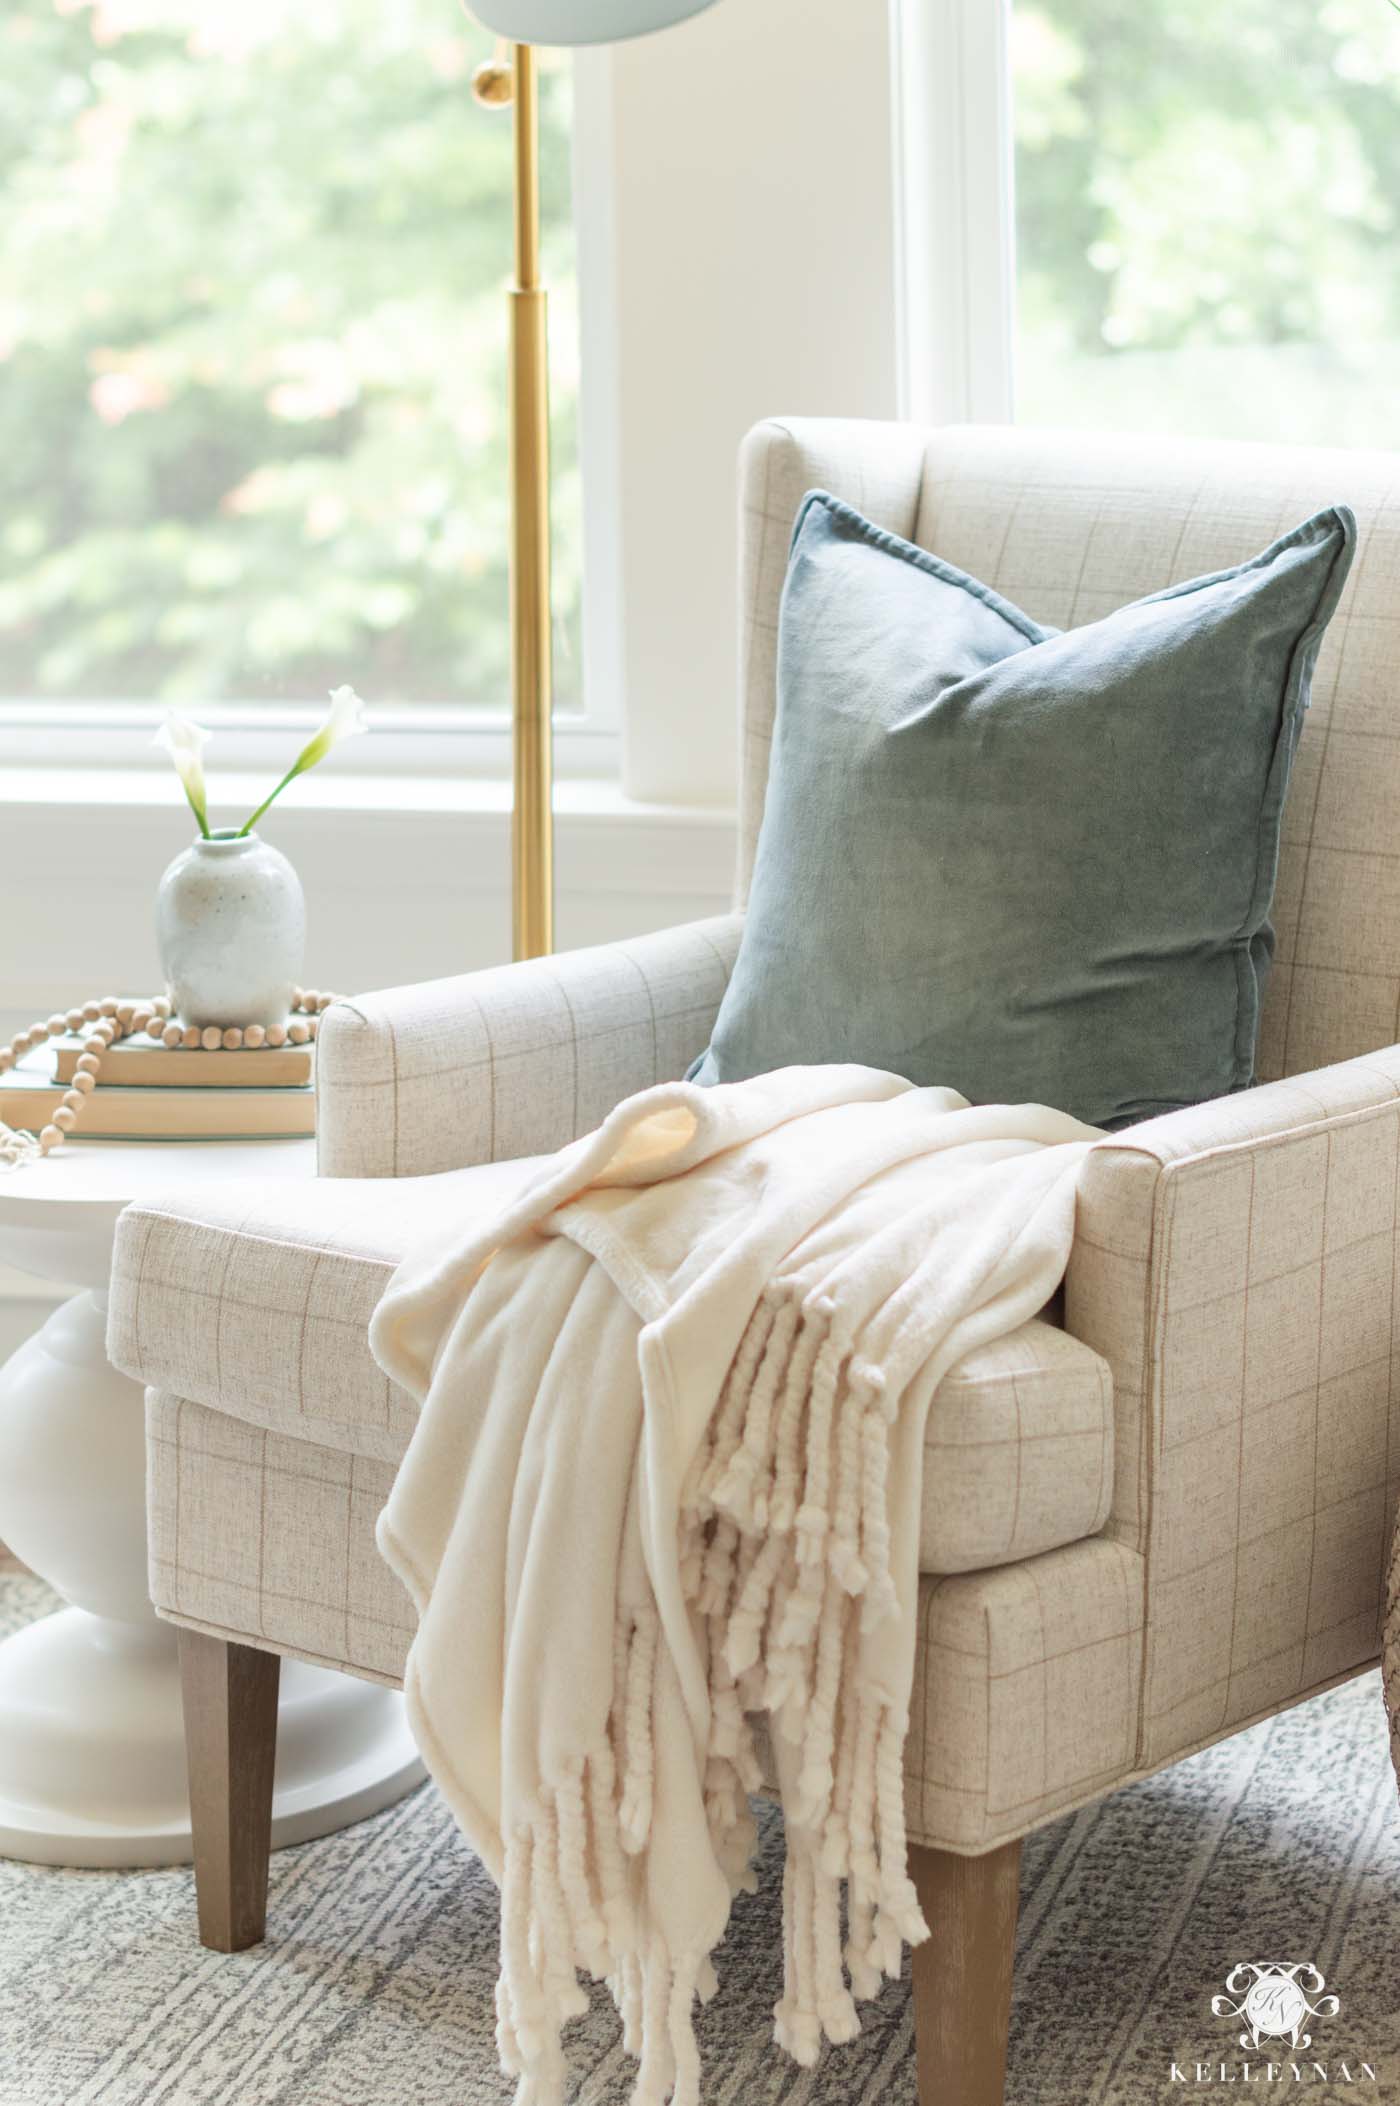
(375, 1987)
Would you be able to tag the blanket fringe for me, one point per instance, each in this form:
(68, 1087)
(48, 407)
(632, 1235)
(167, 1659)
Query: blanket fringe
(568, 1903)
(786, 1520)
(785, 1560)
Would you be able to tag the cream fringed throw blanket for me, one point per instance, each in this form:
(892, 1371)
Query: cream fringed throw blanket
(667, 1475)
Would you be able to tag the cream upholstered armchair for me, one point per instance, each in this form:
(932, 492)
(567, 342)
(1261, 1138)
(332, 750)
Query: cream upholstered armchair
(1143, 1528)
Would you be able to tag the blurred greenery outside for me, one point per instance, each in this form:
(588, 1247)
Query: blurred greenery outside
(1207, 206)
(252, 334)
(252, 353)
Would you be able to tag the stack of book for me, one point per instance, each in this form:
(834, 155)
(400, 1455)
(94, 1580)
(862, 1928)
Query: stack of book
(150, 1092)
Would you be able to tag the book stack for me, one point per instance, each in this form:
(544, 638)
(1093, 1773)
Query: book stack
(149, 1092)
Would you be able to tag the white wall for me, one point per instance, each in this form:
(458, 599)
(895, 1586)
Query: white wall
(755, 274)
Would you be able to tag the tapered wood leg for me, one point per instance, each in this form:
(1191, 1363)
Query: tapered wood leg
(230, 1702)
(962, 1973)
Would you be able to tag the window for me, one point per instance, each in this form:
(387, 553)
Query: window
(1207, 201)
(252, 354)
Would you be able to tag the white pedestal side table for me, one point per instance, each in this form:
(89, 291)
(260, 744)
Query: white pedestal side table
(92, 1753)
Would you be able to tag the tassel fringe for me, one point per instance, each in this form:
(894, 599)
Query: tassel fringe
(785, 1560)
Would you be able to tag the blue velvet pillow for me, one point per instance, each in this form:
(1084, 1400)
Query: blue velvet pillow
(1033, 866)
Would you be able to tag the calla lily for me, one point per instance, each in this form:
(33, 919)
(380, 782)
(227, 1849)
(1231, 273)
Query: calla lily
(185, 743)
(345, 717)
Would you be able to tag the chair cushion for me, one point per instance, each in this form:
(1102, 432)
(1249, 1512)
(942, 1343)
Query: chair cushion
(1027, 865)
(255, 1300)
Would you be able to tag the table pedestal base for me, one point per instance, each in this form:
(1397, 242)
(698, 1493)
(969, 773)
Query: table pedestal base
(92, 1753)
(92, 1748)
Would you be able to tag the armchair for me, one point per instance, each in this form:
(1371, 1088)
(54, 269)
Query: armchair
(1143, 1528)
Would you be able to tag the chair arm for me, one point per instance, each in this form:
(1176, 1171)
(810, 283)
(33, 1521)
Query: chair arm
(1235, 1264)
(515, 1060)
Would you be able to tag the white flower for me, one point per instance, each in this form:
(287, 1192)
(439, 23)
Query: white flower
(185, 742)
(345, 717)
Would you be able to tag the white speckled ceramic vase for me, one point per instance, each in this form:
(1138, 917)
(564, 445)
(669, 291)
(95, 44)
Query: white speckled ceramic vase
(231, 925)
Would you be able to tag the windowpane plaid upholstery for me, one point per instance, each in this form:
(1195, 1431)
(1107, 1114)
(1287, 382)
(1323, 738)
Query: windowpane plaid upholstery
(1025, 1697)
(1236, 1264)
(1025, 1693)
(1231, 1294)
(1026, 1683)
(516, 1060)
(270, 1539)
(1018, 1456)
(255, 1300)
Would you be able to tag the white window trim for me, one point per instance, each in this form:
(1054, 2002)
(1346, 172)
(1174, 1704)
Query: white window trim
(255, 738)
(955, 218)
(429, 740)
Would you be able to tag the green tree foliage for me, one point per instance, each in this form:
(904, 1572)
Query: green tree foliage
(252, 351)
(1207, 201)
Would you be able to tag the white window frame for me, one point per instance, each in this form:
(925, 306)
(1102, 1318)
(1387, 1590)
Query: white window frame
(955, 218)
(429, 739)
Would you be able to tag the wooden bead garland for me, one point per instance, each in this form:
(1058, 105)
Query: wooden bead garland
(104, 1023)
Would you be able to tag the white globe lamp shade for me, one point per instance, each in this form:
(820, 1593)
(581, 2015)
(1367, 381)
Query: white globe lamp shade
(581, 21)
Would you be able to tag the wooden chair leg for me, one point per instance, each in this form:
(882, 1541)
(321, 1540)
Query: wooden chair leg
(962, 1973)
(230, 1703)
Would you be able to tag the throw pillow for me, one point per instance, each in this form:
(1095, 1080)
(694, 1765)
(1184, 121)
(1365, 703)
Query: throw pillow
(1032, 865)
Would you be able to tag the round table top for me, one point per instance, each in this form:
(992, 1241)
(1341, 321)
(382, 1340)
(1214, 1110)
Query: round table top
(109, 1174)
(57, 1215)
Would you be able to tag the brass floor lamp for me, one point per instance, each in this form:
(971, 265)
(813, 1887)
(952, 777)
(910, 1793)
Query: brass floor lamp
(511, 78)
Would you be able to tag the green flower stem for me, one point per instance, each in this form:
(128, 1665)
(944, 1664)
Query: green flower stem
(316, 748)
(200, 813)
(298, 767)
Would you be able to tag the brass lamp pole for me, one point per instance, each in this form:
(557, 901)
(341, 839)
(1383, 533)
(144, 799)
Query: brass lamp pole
(510, 77)
(513, 80)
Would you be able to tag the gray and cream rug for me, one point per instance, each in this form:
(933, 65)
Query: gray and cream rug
(375, 1987)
